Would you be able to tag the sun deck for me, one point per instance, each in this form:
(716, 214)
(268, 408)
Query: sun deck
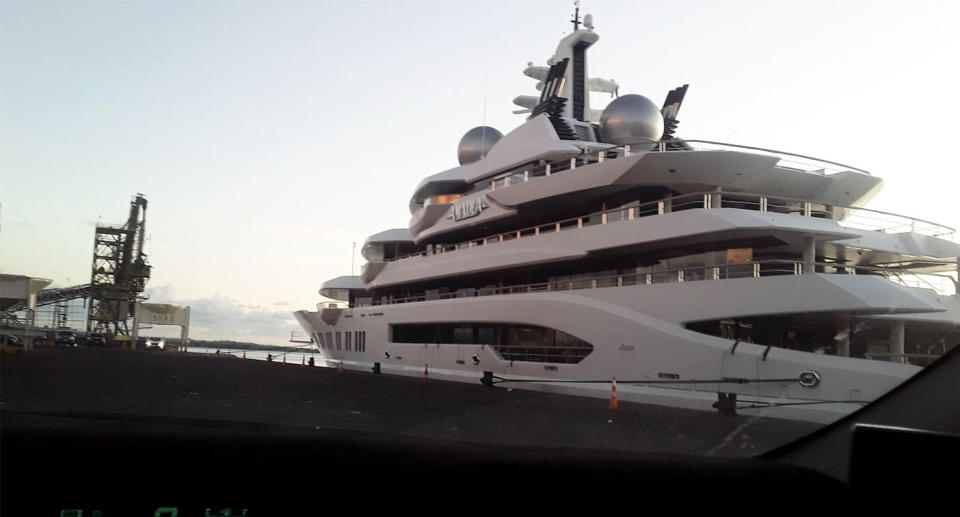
(599, 153)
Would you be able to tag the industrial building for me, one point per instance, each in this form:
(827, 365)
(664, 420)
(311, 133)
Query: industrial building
(32, 311)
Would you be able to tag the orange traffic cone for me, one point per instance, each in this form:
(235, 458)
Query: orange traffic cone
(303, 361)
(244, 356)
(426, 373)
(284, 358)
(340, 368)
(613, 395)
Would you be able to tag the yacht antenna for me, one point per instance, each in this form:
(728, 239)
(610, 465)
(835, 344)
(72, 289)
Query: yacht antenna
(486, 75)
(576, 16)
(353, 254)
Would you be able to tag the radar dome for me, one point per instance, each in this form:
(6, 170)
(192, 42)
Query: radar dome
(476, 144)
(631, 120)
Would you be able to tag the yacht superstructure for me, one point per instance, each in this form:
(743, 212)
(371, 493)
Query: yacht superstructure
(590, 244)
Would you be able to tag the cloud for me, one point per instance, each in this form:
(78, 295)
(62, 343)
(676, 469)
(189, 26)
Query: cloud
(224, 315)
(221, 316)
(161, 294)
(282, 302)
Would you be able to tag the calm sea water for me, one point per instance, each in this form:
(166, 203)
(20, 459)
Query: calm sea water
(295, 356)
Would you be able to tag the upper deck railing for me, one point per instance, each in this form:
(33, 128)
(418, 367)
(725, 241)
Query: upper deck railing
(745, 269)
(847, 216)
(786, 160)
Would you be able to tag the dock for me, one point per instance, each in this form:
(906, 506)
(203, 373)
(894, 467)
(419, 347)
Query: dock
(75, 384)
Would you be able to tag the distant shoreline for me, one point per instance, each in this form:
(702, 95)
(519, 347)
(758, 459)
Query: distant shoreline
(239, 345)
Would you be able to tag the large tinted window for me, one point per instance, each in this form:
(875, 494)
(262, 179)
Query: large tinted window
(511, 341)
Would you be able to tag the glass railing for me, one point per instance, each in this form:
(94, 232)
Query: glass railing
(850, 217)
(747, 269)
(786, 160)
(791, 161)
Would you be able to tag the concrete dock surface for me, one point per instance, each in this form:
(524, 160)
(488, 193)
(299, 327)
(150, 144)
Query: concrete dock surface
(229, 394)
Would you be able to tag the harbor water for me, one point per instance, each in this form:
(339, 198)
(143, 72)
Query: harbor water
(296, 355)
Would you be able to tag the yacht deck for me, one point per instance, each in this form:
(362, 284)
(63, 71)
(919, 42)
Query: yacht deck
(847, 216)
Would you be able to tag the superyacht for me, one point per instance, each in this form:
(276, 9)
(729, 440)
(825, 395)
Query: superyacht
(588, 245)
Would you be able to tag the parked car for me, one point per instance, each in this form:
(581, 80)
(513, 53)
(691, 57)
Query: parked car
(12, 340)
(155, 343)
(11, 344)
(66, 338)
(96, 339)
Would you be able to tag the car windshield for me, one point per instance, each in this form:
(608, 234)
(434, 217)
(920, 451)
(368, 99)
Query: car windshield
(694, 231)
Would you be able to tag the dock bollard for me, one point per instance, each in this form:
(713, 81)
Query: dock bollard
(487, 379)
(613, 394)
(726, 403)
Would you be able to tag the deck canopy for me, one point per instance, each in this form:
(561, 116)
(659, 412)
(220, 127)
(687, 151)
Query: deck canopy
(388, 244)
(339, 288)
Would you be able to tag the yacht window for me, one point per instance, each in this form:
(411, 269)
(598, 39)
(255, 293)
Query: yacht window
(373, 251)
(348, 339)
(463, 335)
(486, 335)
(739, 255)
(510, 341)
(442, 199)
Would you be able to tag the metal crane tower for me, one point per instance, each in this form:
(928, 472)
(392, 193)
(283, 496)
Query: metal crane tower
(120, 272)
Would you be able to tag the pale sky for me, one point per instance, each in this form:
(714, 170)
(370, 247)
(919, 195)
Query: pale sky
(268, 136)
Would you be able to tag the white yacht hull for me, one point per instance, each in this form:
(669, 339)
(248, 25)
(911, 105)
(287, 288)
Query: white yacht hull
(638, 335)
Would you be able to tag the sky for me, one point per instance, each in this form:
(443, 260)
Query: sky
(270, 136)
